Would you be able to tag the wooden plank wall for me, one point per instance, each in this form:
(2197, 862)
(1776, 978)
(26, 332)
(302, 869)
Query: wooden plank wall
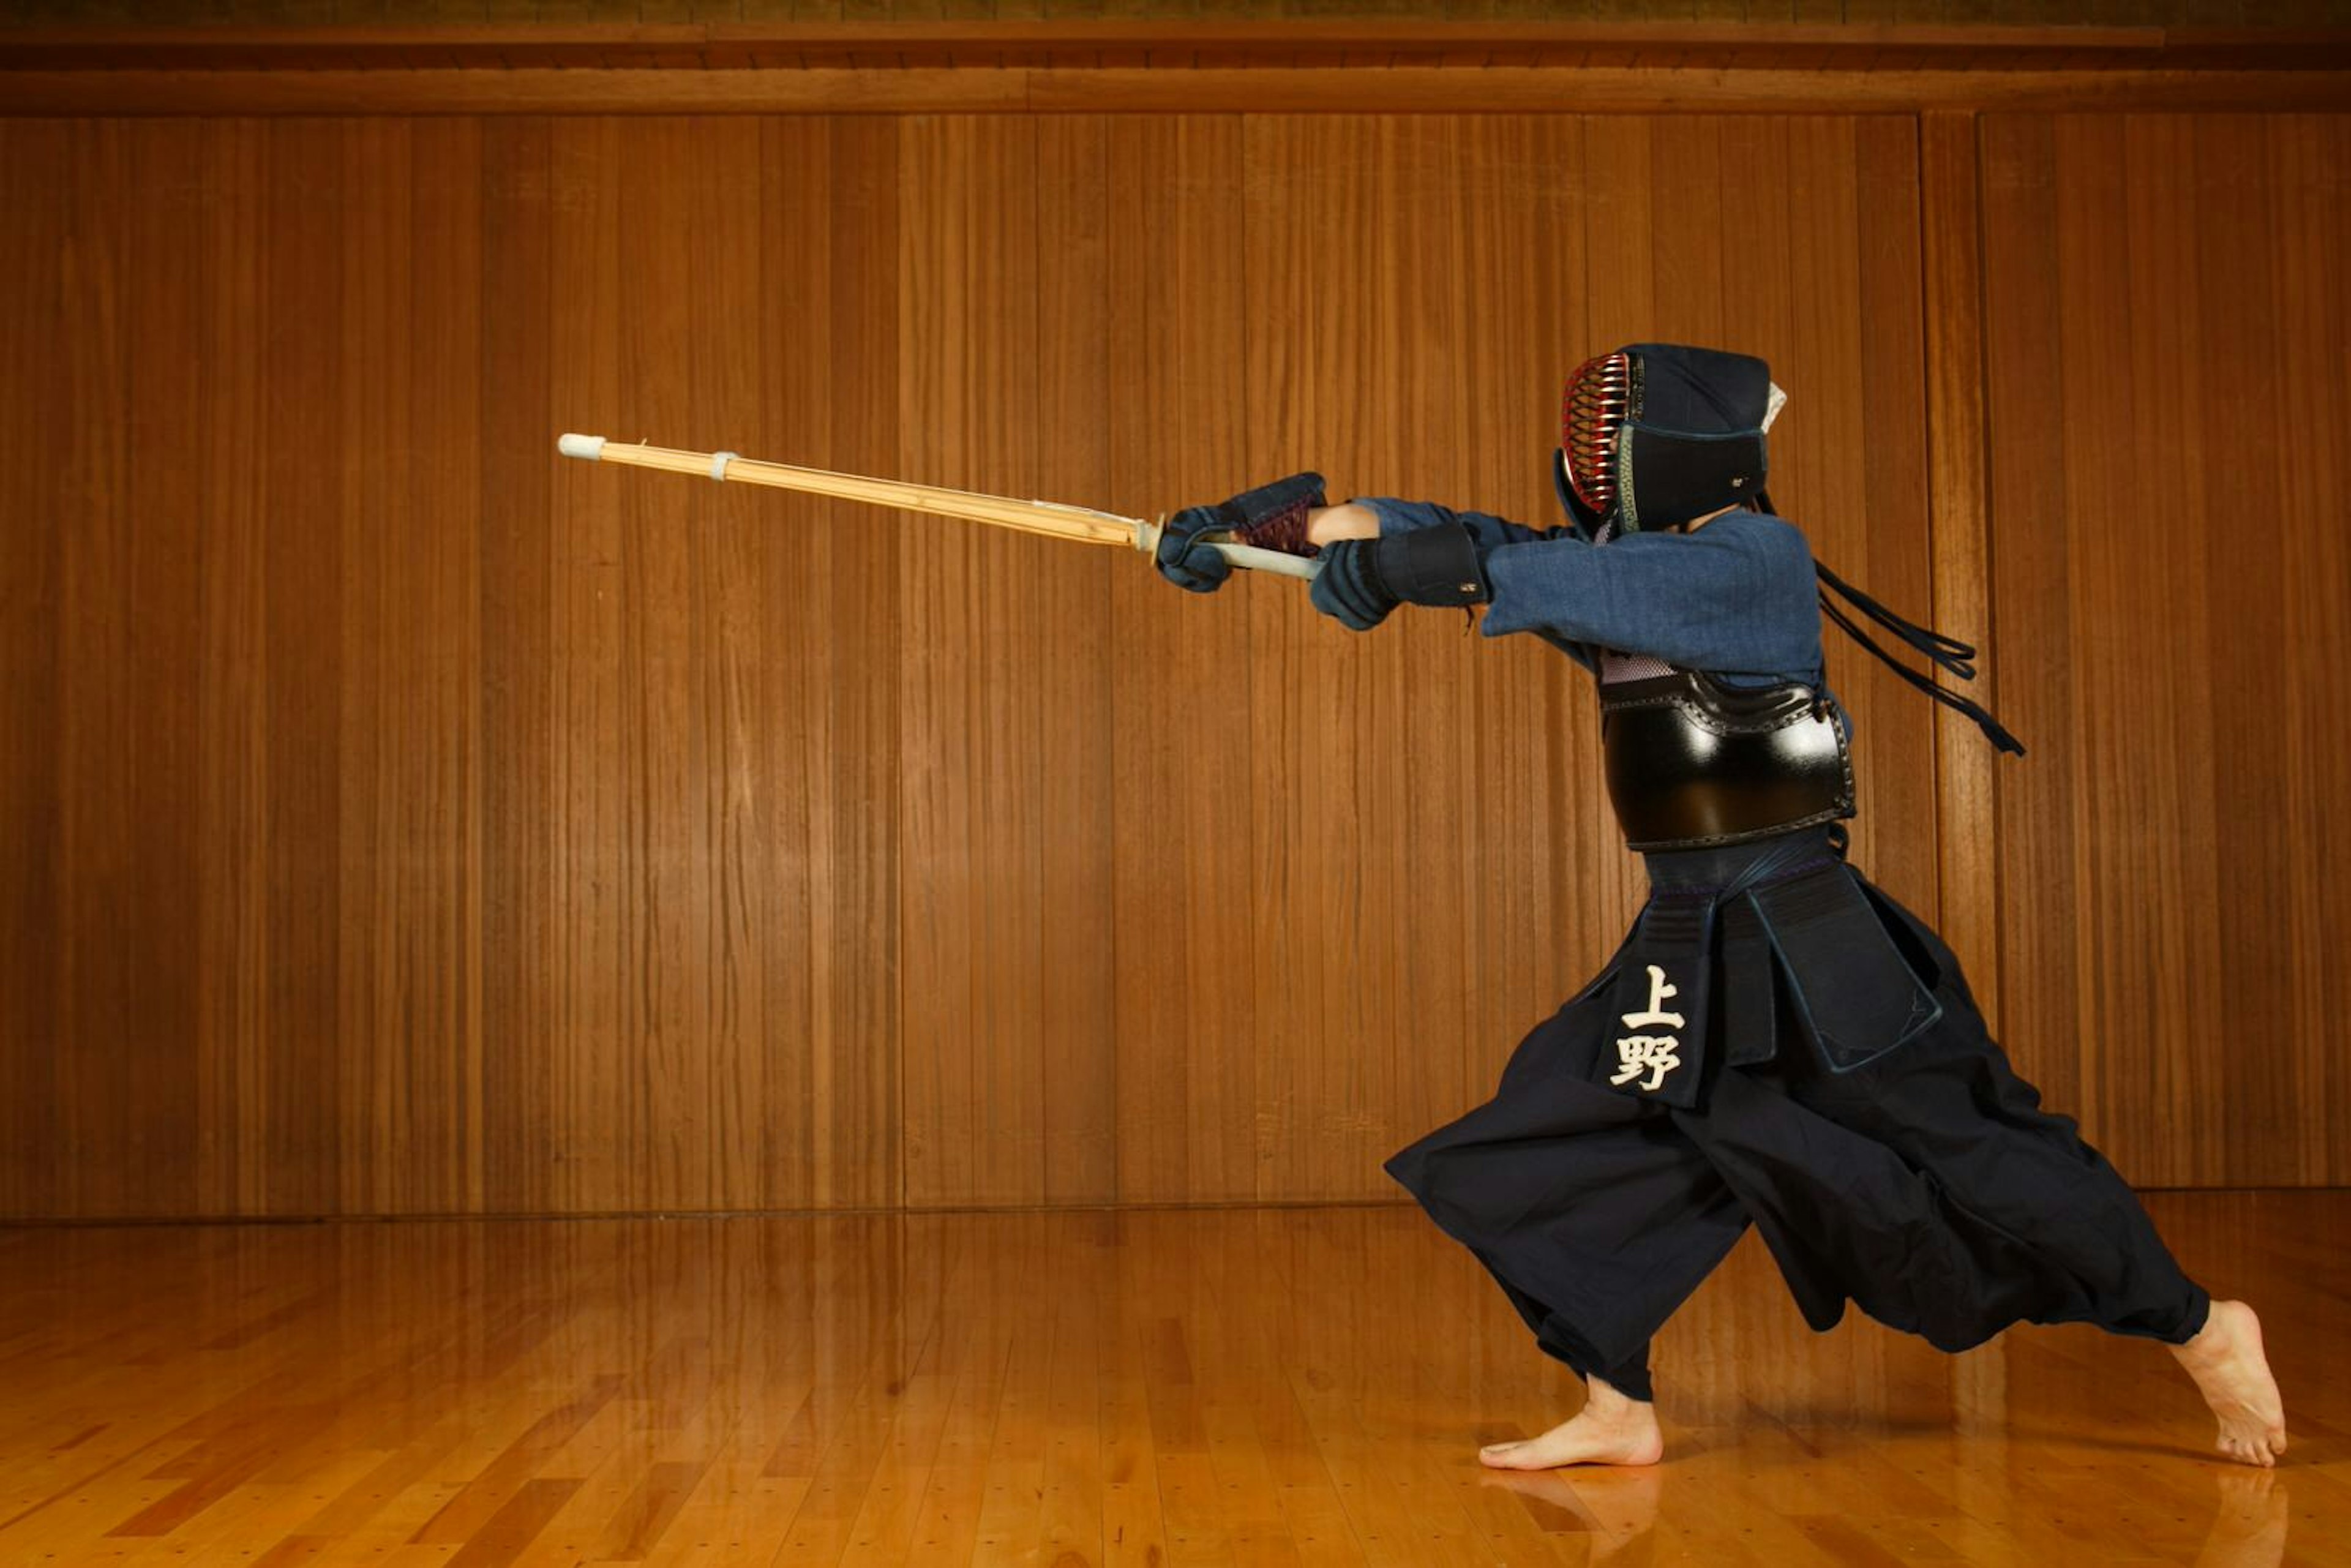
(398, 820)
(2170, 324)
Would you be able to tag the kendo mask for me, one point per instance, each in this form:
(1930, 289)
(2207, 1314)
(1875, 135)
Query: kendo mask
(1657, 433)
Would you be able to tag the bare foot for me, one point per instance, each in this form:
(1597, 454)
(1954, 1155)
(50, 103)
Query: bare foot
(1609, 1430)
(2226, 1361)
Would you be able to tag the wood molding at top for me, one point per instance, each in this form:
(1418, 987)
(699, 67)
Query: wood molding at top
(1159, 66)
(1402, 89)
(1280, 42)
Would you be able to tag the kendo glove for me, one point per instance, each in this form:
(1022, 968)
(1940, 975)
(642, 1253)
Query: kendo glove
(1271, 516)
(1362, 579)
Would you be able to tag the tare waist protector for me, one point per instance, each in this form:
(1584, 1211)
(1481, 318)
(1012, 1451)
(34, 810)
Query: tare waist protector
(1694, 763)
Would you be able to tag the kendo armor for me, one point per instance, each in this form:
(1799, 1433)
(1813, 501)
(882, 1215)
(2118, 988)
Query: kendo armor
(1693, 763)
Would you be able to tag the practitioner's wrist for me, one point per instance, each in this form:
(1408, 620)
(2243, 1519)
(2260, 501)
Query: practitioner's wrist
(1327, 526)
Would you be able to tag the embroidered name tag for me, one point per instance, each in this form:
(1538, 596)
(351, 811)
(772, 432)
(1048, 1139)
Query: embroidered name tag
(1655, 1054)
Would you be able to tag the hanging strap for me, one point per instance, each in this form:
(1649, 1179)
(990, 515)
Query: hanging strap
(1944, 652)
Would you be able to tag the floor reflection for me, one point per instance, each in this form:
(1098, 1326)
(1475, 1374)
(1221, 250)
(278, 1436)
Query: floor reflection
(1228, 1385)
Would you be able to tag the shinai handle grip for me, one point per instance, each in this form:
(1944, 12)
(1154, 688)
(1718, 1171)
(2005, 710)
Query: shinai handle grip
(1248, 558)
(1078, 523)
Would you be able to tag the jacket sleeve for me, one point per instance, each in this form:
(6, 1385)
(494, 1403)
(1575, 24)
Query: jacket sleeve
(1737, 596)
(1489, 533)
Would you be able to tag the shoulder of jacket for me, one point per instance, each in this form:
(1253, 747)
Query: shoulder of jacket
(1769, 531)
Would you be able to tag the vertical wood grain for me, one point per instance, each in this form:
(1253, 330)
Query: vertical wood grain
(2027, 485)
(973, 915)
(662, 862)
(516, 610)
(385, 1000)
(303, 365)
(755, 1012)
(2254, 546)
(1325, 364)
(1188, 951)
(155, 963)
(595, 1130)
(2157, 867)
(1077, 673)
(233, 711)
(1952, 277)
(2305, 160)
(108, 655)
(860, 1128)
(36, 165)
(445, 478)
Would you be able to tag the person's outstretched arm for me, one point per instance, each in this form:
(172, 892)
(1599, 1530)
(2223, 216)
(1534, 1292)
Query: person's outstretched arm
(1379, 553)
(1734, 595)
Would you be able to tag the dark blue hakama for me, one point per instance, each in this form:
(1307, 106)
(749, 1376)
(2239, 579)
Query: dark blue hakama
(1837, 1088)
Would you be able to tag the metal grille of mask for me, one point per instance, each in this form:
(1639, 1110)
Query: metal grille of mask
(1598, 399)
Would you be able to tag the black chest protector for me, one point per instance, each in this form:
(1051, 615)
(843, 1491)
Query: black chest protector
(1693, 763)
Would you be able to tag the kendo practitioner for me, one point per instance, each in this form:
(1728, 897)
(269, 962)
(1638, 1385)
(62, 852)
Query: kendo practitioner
(1776, 1042)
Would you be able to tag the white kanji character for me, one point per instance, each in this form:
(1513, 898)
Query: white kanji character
(1652, 1053)
(1658, 992)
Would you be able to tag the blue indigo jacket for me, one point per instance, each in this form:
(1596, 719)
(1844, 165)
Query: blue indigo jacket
(1736, 598)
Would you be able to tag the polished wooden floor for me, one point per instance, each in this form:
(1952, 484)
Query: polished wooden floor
(1209, 1387)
